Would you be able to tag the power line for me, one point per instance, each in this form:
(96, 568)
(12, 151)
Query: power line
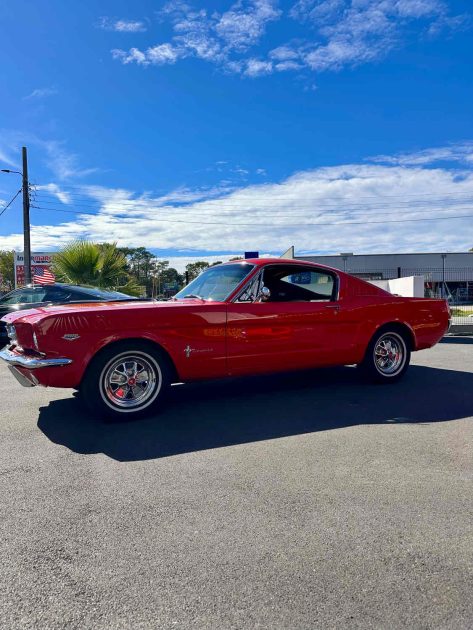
(274, 213)
(410, 207)
(229, 224)
(223, 203)
(403, 195)
(10, 202)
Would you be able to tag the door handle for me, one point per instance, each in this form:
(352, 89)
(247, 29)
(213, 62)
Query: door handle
(334, 307)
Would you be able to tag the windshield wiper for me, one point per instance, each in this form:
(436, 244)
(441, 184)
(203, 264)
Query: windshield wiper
(192, 295)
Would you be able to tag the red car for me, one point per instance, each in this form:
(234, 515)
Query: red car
(239, 318)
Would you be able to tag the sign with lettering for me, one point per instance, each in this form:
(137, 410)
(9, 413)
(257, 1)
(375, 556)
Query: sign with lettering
(40, 260)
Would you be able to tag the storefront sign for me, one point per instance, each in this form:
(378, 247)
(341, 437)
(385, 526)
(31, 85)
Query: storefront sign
(39, 260)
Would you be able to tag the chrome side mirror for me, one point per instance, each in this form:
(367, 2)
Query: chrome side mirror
(264, 294)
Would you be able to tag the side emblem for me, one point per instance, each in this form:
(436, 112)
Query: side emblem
(188, 350)
(71, 336)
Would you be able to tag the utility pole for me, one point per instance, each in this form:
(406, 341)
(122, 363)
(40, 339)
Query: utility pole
(26, 214)
(26, 219)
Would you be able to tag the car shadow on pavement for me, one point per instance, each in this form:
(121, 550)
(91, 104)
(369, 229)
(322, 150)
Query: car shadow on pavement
(235, 411)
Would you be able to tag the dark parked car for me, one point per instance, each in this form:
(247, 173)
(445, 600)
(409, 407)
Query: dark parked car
(45, 295)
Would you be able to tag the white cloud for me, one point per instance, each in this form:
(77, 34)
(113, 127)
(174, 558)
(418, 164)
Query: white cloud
(257, 68)
(284, 53)
(40, 93)
(212, 37)
(244, 24)
(133, 55)
(450, 23)
(121, 26)
(419, 8)
(155, 55)
(370, 207)
(180, 262)
(338, 33)
(454, 153)
(63, 196)
(164, 53)
(351, 33)
(6, 158)
(284, 66)
(62, 163)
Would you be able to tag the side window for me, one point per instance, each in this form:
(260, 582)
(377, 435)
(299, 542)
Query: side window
(31, 296)
(299, 284)
(54, 294)
(37, 295)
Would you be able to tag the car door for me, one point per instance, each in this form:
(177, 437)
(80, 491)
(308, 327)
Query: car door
(298, 327)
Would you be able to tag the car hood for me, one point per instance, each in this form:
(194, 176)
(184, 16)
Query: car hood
(36, 314)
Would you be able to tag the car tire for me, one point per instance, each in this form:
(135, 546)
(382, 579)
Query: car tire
(387, 357)
(126, 381)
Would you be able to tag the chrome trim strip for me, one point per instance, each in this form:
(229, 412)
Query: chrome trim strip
(29, 362)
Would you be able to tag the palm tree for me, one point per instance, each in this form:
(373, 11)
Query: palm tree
(98, 265)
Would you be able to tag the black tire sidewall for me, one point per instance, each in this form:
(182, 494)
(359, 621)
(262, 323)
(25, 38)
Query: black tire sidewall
(91, 388)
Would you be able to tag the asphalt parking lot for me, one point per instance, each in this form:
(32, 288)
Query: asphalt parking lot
(299, 501)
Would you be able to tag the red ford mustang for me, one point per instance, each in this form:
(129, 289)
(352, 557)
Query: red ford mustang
(239, 318)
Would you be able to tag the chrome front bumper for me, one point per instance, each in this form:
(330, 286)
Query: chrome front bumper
(14, 361)
(31, 363)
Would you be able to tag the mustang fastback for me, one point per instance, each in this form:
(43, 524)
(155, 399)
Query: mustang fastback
(238, 318)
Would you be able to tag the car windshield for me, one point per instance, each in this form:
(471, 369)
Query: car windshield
(216, 283)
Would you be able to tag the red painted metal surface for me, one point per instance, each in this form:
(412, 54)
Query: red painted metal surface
(206, 339)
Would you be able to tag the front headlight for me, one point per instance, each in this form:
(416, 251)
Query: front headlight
(11, 332)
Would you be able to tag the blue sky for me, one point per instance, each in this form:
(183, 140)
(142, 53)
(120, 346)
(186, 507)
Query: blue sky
(211, 128)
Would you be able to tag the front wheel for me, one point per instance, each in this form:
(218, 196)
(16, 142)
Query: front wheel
(387, 357)
(125, 381)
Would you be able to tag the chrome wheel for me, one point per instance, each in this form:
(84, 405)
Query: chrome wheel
(130, 381)
(390, 354)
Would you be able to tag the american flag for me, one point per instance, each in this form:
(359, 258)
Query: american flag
(42, 275)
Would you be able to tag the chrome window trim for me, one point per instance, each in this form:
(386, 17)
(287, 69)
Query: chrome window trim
(256, 278)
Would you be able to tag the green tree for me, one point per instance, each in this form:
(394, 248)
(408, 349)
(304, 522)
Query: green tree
(193, 269)
(141, 265)
(163, 274)
(171, 276)
(7, 272)
(99, 265)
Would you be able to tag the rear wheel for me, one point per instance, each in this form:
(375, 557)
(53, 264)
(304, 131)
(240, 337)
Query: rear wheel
(125, 381)
(387, 357)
